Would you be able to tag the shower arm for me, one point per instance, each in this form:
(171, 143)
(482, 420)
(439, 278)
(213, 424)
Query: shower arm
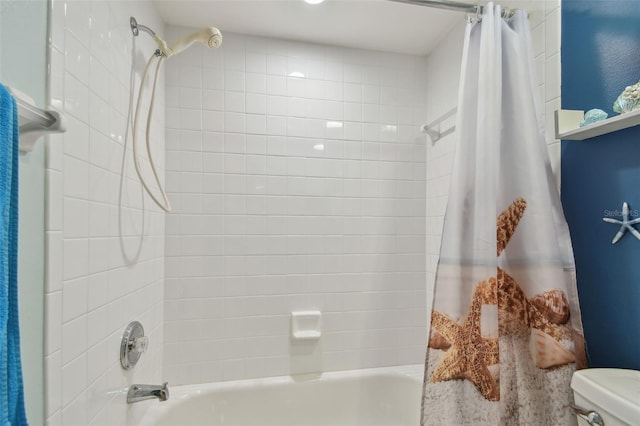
(135, 28)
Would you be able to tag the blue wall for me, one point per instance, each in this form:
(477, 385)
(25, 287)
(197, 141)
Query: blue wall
(600, 56)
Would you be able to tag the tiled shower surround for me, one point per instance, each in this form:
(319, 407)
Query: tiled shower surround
(297, 177)
(298, 181)
(105, 253)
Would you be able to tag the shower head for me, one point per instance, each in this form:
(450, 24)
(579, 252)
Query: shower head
(210, 37)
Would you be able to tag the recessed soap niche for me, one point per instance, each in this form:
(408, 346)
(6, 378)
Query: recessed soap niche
(306, 325)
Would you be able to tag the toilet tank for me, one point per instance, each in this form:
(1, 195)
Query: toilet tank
(612, 392)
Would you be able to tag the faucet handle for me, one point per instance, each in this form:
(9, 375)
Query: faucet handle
(134, 343)
(140, 344)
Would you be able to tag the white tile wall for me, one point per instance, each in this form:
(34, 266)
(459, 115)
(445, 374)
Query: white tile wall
(105, 263)
(443, 72)
(298, 182)
(297, 177)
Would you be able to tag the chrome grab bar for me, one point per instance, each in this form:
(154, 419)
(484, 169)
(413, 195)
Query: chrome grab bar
(591, 416)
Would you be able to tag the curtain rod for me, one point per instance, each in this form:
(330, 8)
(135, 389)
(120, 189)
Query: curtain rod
(444, 4)
(455, 6)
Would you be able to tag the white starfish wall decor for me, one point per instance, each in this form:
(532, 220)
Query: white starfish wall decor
(625, 224)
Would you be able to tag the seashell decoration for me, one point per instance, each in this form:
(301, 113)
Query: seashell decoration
(553, 304)
(494, 370)
(547, 352)
(437, 341)
(593, 116)
(628, 100)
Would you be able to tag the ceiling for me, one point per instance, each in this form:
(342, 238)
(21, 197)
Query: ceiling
(367, 24)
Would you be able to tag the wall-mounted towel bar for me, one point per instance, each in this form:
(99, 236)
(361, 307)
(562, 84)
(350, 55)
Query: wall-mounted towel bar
(433, 129)
(35, 122)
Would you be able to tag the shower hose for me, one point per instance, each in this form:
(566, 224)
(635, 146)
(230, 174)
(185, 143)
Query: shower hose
(164, 204)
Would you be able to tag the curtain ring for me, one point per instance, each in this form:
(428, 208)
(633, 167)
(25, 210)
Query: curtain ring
(478, 12)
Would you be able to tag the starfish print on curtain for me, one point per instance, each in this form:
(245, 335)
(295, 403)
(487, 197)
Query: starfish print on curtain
(469, 354)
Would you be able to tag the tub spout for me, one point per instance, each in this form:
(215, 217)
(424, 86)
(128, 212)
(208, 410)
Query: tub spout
(141, 392)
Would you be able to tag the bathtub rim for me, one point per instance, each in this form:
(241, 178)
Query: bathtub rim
(183, 393)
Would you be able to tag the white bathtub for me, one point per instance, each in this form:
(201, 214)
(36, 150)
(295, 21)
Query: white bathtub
(373, 397)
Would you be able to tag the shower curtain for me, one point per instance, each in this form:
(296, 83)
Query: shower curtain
(506, 333)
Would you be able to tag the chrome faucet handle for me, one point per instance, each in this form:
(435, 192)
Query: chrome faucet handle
(134, 343)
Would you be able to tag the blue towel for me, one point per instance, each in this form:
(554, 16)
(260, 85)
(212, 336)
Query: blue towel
(11, 391)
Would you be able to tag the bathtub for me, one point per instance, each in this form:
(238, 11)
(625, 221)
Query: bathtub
(387, 396)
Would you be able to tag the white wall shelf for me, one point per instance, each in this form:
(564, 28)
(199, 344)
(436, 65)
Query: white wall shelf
(568, 124)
